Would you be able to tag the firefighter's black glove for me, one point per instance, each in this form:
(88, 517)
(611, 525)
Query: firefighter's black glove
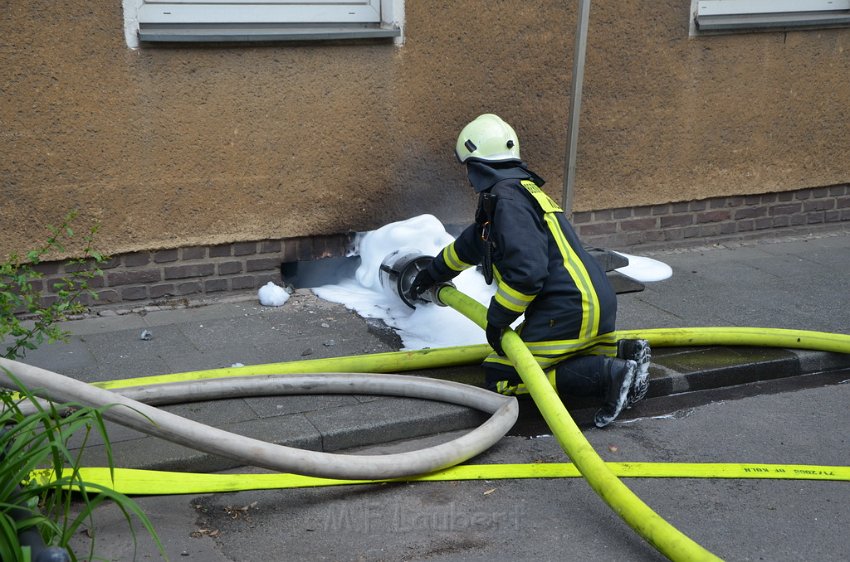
(422, 282)
(494, 338)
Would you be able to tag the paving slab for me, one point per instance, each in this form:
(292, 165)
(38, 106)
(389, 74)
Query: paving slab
(152, 453)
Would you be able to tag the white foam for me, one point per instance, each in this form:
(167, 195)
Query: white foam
(272, 295)
(424, 234)
(645, 270)
(430, 325)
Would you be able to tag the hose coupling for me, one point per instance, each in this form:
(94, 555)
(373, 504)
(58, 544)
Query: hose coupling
(399, 269)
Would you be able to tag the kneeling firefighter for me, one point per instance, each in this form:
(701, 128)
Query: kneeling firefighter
(523, 241)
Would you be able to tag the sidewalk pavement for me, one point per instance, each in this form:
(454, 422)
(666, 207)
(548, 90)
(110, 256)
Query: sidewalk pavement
(797, 282)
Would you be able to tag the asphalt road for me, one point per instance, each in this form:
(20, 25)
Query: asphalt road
(557, 519)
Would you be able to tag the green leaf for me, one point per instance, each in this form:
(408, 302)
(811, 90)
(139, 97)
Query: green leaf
(40, 438)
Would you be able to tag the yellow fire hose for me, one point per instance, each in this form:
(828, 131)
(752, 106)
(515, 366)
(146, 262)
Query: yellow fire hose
(401, 361)
(652, 527)
(133, 481)
(600, 475)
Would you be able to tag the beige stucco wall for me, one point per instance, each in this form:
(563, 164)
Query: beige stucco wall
(175, 146)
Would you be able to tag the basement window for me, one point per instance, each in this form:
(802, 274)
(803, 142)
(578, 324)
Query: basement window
(728, 16)
(151, 21)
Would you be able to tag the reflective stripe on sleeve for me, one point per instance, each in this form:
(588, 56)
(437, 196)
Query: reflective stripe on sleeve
(452, 260)
(509, 297)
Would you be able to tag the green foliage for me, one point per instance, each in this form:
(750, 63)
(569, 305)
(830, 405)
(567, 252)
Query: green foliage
(26, 321)
(39, 475)
(32, 437)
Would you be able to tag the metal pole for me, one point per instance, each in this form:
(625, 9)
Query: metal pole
(575, 103)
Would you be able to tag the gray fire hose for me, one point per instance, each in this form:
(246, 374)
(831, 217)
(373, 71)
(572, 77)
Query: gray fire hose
(124, 410)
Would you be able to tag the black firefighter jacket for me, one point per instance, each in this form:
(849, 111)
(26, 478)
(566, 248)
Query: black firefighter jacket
(540, 267)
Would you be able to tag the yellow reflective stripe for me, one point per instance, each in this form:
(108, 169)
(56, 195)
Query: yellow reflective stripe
(509, 297)
(551, 374)
(547, 354)
(508, 389)
(452, 260)
(548, 360)
(512, 299)
(565, 347)
(546, 203)
(504, 387)
(589, 299)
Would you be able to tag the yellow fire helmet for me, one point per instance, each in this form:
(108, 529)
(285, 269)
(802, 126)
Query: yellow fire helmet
(489, 139)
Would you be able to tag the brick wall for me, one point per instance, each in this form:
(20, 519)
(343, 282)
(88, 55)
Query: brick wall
(168, 276)
(741, 216)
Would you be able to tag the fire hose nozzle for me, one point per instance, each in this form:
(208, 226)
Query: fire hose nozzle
(399, 269)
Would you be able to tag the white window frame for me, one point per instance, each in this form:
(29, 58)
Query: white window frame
(261, 20)
(730, 16)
